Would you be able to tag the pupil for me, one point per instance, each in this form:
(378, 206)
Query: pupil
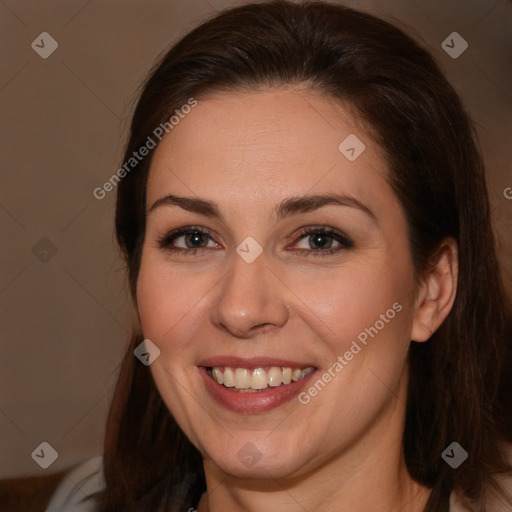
(318, 239)
(196, 238)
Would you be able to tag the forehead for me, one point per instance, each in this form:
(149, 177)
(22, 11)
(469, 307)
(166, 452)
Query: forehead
(265, 144)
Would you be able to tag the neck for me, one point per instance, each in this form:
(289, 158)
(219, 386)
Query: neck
(359, 492)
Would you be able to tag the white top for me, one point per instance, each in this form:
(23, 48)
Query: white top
(87, 478)
(78, 483)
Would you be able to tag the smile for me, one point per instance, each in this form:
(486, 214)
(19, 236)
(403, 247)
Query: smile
(254, 385)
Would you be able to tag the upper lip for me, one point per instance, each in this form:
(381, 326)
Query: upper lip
(251, 362)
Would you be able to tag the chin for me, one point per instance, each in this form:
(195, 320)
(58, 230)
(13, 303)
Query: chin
(253, 456)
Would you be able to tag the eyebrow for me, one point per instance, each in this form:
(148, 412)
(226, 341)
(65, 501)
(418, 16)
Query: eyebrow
(290, 206)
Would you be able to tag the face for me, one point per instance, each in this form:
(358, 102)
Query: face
(260, 287)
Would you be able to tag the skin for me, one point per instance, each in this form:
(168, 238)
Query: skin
(247, 152)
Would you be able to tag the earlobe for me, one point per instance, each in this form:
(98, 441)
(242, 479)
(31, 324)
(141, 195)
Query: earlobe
(437, 294)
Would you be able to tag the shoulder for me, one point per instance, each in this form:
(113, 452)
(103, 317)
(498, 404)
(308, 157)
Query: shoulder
(496, 504)
(74, 493)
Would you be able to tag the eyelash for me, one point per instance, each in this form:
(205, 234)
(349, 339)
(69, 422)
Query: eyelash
(165, 241)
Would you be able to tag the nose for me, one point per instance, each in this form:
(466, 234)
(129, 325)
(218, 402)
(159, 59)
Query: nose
(251, 299)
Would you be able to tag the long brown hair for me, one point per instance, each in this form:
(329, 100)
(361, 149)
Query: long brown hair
(438, 176)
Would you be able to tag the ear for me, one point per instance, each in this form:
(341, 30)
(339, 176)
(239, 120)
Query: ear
(437, 292)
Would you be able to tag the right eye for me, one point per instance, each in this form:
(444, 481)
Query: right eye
(194, 237)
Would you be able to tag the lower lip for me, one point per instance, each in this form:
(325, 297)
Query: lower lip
(259, 401)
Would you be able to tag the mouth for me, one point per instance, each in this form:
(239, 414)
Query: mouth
(247, 380)
(254, 385)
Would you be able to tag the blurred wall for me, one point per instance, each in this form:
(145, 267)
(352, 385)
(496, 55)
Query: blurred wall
(65, 313)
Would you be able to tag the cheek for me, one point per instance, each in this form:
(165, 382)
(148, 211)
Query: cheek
(350, 300)
(163, 299)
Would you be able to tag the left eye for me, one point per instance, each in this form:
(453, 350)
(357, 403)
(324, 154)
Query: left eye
(318, 238)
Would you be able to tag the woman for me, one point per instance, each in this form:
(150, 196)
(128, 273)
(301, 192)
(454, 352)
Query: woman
(304, 217)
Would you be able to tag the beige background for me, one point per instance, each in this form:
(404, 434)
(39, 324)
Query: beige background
(65, 321)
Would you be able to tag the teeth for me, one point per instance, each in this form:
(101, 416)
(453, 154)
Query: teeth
(219, 376)
(242, 378)
(229, 378)
(259, 378)
(287, 375)
(275, 376)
